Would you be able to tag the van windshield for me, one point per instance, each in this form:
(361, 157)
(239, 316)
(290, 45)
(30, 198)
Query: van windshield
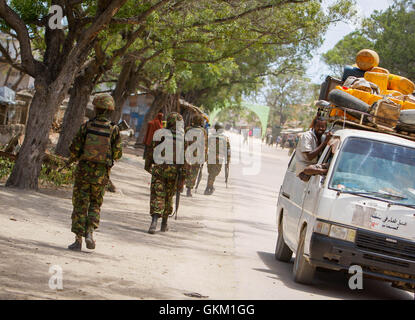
(382, 170)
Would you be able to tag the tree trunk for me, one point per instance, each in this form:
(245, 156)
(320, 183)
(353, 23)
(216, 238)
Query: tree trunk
(42, 110)
(283, 117)
(121, 90)
(119, 103)
(75, 112)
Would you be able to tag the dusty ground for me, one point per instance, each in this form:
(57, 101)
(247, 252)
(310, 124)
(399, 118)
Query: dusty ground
(127, 263)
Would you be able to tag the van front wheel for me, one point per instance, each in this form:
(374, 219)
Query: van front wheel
(302, 270)
(282, 251)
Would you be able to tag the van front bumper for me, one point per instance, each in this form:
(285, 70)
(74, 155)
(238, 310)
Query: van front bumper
(334, 254)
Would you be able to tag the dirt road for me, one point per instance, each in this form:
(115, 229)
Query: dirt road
(220, 247)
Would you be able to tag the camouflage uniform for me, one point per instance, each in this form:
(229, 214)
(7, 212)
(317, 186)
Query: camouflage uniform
(216, 157)
(193, 169)
(93, 169)
(164, 176)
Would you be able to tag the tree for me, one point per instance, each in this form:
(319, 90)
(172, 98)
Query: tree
(109, 48)
(65, 53)
(285, 92)
(389, 32)
(212, 58)
(345, 52)
(392, 32)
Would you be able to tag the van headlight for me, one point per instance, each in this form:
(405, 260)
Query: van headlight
(335, 231)
(342, 233)
(322, 228)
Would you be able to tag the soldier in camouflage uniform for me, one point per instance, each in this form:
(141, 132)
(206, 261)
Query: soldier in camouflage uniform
(166, 176)
(193, 169)
(219, 152)
(96, 146)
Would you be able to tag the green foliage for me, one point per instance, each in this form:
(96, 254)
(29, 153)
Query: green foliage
(345, 51)
(56, 178)
(390, 33)
(6, 167)
(212, 52)
(215, 52)
(287, 91)
(393, 33)
(275, 48)
(30, 10)
(48, 175)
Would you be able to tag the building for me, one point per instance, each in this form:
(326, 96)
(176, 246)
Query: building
(135, 109)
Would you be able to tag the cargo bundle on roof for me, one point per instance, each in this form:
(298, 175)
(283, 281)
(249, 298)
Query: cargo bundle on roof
(370, 96)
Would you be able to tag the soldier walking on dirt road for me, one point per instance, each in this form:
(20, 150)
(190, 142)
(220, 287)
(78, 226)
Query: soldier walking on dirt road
(193, 169)
(219, 152)
(166, 177)
(96, 146)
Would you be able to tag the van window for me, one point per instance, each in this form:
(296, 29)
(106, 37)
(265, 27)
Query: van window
(376, 168)
(291, 165)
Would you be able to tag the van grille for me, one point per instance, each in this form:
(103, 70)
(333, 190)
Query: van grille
(377, 243)
(386, 260)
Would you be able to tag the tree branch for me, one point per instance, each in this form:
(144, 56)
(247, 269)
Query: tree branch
(139, 19)
(9, 60)
(225, 56)
(247, 12)
(14, 21)
(99, 22)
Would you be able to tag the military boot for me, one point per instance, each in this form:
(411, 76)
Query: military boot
(189, 192)
(164, 226)
(77, 245)
(209, 191)
(90, 243)
(153, 225)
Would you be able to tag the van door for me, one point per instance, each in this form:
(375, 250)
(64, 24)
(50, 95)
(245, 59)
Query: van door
(313, 190)
(292, 195)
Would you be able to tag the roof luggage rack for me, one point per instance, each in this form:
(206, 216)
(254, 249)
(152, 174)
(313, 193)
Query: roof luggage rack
(364, 121)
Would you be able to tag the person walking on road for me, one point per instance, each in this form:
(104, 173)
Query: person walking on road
(278, 141)
(152, 127)
(96, 146)
(219, 152)
(166, 176)
(245, 133)
(193, 169)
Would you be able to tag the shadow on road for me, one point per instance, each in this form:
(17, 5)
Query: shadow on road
(330, 283)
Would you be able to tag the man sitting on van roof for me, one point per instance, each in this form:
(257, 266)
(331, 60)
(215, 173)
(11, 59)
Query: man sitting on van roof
(310, 146)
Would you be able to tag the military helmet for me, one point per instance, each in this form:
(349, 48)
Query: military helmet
(218, 125)
(104, 101)
(172, 119)
(198, 120)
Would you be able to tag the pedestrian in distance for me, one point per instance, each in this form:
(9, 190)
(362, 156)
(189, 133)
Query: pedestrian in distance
(194, 169)
(96, 146)
(278, 141)
(219, 152)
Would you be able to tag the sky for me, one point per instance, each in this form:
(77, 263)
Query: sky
(317, 70)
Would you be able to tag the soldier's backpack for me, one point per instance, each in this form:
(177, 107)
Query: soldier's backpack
(97, 146)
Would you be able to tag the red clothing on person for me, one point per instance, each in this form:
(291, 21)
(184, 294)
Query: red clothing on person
(152, 127)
